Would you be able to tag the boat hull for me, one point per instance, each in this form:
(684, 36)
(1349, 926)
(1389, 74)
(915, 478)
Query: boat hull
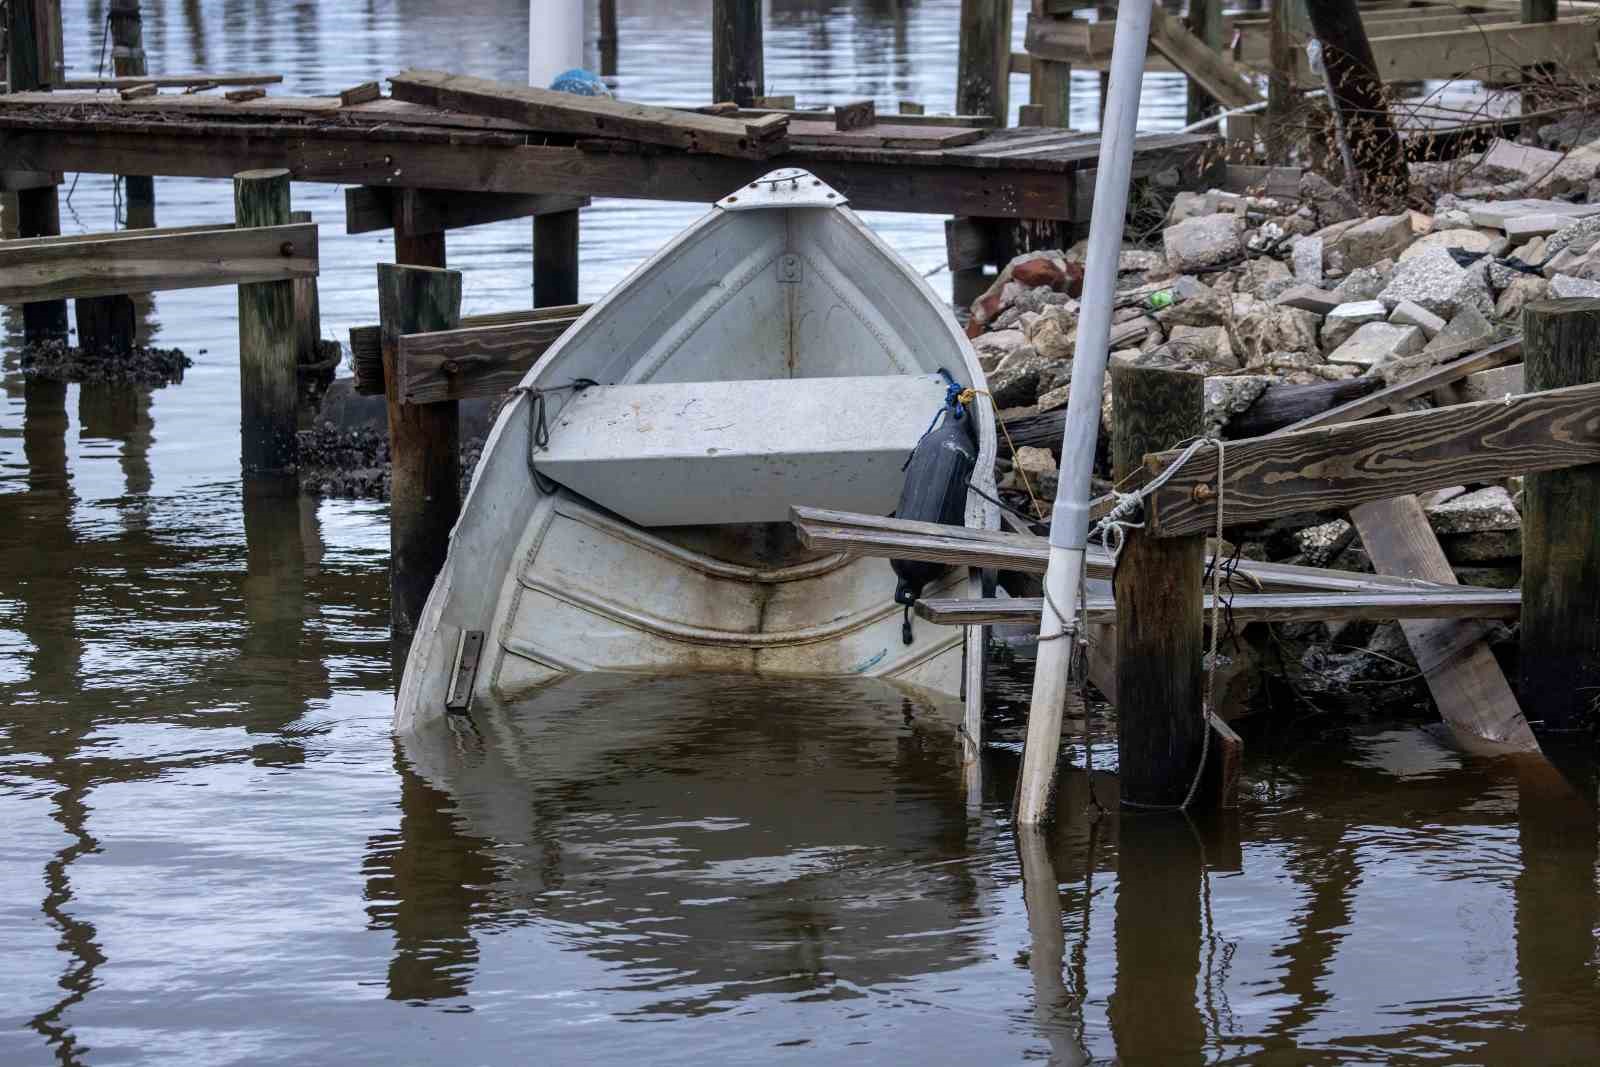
(559, 585)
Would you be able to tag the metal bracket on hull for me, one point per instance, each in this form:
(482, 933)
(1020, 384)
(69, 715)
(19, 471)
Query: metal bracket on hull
(785, 188)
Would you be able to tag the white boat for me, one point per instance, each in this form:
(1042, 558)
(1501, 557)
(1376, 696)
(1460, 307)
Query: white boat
(776, 353)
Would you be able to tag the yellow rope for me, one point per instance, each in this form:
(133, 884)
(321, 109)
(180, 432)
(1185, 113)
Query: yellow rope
(967, 396)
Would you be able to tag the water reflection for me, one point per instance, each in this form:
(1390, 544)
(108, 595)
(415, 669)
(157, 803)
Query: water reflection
(824, 860)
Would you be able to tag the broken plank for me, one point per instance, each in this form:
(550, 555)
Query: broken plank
(364, 93)
(171, 81)
(1246, 608)
(1467, 684)
(1338, 467)
(854, 115)
(148, 261)
(1207, 67)
(553, 112)
(883, 135)
(477, 361)
(1445, 374)
(239, 96)
(137, 92)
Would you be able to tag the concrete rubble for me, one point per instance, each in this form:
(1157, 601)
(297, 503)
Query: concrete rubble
(1260, 294)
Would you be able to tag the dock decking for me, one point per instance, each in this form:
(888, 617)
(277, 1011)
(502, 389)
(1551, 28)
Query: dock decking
(1015, 173)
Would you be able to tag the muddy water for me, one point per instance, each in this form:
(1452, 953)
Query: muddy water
(216, 853)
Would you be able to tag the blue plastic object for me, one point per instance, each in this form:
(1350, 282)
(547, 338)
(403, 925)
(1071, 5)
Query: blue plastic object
(580, 82)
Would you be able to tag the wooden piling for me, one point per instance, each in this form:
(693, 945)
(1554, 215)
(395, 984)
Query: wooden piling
(1560, 659)
(1160, 629)
(1280, 81)
(105, 323)
(307, 311)
(127, 60)
(109, 323)
(424, 441)
(555, 259)
(32, 51)
(267, 385)
(1050, 89)
(608, 38)
(1204, 20)
(983, 65)
(737, 58)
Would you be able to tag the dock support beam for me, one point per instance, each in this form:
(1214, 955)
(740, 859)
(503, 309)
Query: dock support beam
(738, 61)
(109, 323)
(424, 441)
(1205, 22)
(983, 67)
(555, 259)
(33, 47)
(127, 60)
(1160, 629)
(267, 385)
(1560, 658)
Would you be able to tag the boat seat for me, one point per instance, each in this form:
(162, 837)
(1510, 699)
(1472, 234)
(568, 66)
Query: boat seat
(690, 453)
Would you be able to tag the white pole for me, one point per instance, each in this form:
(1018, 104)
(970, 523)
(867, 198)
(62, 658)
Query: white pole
(1069, 522)
(555, 39)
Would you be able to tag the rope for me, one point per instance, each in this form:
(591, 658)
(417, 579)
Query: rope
(539, 428)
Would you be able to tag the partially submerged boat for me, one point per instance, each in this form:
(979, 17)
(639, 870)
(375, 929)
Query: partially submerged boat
(630, 510)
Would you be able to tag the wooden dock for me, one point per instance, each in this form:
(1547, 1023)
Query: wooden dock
(1020, 173)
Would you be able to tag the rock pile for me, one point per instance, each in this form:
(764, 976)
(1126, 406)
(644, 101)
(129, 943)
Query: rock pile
(1273, 298)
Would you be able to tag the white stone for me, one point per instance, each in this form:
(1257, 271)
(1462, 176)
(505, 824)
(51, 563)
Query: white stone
(1230, 395)
(1466, 240)
(1407, 313)
(1307, 254)
(1203, 242)
(1487, 509)
(1438, 283)
(1376, 343)
(1565, 285)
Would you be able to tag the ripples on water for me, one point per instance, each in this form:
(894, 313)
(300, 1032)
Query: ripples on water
(216, 853)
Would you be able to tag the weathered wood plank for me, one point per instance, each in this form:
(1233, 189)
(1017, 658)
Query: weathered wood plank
(173, 81)
(883, 134)
(148, 261)
(876, 535)
(930, 189)
(1254, 607)
(368, 209)
(584, 116)
(1214, 73)
(1460, 671)
(479, 361)
(364, 93)
(1341, 466)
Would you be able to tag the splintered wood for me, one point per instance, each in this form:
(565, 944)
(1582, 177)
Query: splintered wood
(586, 116)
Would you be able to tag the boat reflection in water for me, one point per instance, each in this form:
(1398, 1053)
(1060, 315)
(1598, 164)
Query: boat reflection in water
(725, 838)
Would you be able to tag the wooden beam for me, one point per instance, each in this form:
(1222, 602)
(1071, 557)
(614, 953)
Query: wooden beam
(372, 208)
(1210, 69)
(1492, 52)
(877, 535)
(478, 361)
(1443, 375)
(585, 116)
(149, 261)
(172, 81)
(941, 190)
(1245, 608)
(1338, 467)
